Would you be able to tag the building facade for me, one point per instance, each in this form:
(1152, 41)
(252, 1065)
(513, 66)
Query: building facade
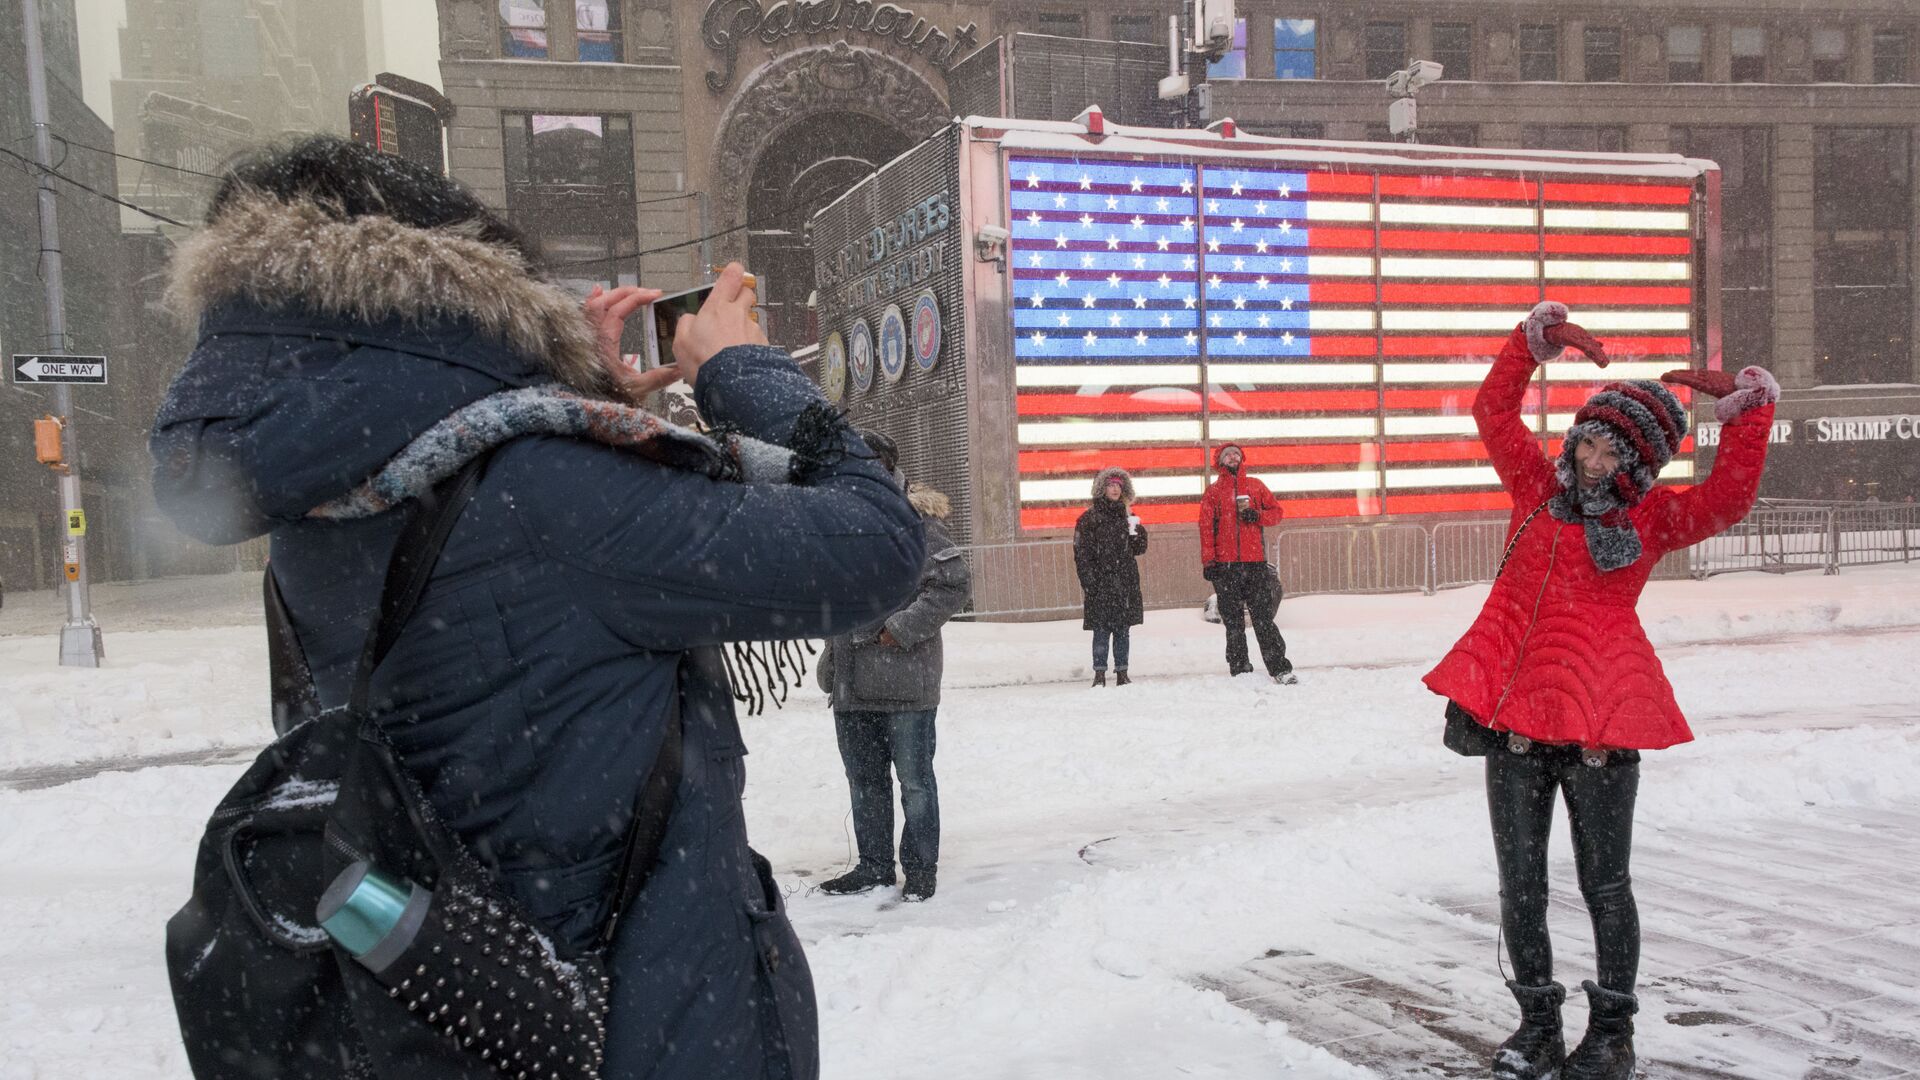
(202, 79)
(110, 431)
(621, 132)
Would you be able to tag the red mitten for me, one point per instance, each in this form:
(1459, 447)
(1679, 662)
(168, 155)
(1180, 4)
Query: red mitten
(1711, 383)
(1549, 334)
(1570, 336)
(1750, 389)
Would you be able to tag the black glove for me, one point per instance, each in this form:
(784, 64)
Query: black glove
(1250, 515)
(1211, 571)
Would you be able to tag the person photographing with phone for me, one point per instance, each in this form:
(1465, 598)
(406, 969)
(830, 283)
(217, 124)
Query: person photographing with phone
(1233, 554)
(1556, 684)
(369, 331)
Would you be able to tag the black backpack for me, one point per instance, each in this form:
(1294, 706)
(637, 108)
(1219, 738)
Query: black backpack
(259, 988)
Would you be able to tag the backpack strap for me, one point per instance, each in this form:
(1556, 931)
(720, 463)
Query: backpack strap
(289, 682)
(414, 556)
(650, 814)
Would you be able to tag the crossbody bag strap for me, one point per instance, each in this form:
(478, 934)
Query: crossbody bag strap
(289, 680)
(652, 812)
(1528, 520)
(414, 555)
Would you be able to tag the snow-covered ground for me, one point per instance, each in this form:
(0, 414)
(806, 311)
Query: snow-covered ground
(1189, 877)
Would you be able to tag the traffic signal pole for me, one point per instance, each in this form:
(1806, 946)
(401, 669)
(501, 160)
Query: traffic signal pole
(80, 644)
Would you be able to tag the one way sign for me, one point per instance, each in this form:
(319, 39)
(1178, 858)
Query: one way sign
(35, 368)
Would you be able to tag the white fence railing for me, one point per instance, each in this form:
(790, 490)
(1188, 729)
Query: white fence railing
(1036, 579)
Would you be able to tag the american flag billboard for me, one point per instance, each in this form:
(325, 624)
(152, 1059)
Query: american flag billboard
(1335, 324)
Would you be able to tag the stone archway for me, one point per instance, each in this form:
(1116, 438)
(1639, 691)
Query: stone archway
(799, 86)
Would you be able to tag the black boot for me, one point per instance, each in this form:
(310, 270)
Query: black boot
(1120, 677)
(1099, 678)
(1536, 1050)
(1606, 1053)
(858, 880)
(919, 887)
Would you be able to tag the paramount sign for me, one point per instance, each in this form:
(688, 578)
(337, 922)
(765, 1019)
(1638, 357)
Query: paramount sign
(729, 23)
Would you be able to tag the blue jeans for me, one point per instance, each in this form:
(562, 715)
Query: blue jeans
(869, 743)
(1120, 636)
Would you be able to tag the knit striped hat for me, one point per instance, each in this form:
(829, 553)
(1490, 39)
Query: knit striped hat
(1645, 423)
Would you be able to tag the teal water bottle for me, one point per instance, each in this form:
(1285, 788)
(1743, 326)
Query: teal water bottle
(373, 915)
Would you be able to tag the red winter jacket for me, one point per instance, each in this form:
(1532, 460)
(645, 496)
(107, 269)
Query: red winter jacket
(1223, 536)
(1558, 654)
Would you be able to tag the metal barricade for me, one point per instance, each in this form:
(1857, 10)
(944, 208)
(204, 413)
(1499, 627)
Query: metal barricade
(1467, 552)
(1035, 579)
(1867, 534)
(1775, 541)
(1030, 579)
(1384, 558)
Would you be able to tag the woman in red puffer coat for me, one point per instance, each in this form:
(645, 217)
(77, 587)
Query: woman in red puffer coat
(1556, 683)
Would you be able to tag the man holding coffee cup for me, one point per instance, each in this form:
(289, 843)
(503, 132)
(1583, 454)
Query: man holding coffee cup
(1233, 514)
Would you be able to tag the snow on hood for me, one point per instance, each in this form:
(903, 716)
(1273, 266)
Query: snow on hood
(326, 346)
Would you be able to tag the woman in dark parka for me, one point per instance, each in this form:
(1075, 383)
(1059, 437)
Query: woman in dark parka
(1107, 542)
(362, 321)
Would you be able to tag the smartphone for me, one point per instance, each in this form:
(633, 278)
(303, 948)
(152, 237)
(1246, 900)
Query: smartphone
(659, 319)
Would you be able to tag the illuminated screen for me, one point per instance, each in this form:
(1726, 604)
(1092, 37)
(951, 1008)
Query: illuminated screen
(1334, 325)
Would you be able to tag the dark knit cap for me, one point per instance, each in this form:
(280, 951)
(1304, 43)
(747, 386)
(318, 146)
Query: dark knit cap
(883, 448)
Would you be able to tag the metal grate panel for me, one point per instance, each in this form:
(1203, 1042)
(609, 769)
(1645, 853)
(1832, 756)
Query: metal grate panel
(1055, 78)
(894, 237)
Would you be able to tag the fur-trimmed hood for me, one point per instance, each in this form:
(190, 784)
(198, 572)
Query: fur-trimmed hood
(373, 269)
(328, 346)
(1110, 473)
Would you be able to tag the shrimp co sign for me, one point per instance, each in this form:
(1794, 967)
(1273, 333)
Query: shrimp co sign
(1827, 429)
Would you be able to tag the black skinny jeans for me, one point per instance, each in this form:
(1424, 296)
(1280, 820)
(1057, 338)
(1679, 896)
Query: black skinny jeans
(1520, 795)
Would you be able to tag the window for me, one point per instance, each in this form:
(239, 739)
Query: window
(1293, 49)
(523, 29)
(1602, 47)
(1060, 25)
(1746, 235)
(1686, 54)
(576, 161)
(1829, 54)
(1539, 53)
(1862, 257)
(1889, 56)
(1386, 48)
(1453, 50)
(597, 24)
(1574, 137)
(1749, 54)
(1234, 64)
(1146, 29)
(570, 190)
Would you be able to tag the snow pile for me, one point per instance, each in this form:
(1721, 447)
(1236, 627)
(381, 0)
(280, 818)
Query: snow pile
(162, 693)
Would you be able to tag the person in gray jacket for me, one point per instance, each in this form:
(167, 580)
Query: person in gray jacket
(884, 681)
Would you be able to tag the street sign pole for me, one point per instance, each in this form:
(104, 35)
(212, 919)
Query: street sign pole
(80, 644)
